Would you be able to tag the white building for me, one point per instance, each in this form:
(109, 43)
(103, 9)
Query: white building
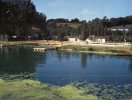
(101, 40)
(74, 39)
(120, 28)
(93, 39)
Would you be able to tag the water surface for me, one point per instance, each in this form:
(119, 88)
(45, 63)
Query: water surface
(61, 67)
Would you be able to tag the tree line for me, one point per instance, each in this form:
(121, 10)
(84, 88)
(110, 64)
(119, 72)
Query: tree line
(20, 18)
(108, 22)
(96, 27)
(62, 20)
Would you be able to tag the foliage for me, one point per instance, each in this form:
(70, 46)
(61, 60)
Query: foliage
(58, 20)
(97, 27)
(19, 76)
(83, 31)
(34, 90)
(62, 20)
(107, 91)
(59, 31)
(76, 20)
(20, 18)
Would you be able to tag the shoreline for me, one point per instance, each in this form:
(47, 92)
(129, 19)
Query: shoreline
(33, 89)
(91, 52)
(115, 51)
(67, 46)
(100, 53)
(64, 43)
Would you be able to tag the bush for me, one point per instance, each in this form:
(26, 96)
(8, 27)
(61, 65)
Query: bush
(91, 49)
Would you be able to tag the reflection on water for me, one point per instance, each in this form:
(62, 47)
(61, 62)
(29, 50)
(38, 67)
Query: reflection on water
(130, 66)
(59, 67)
(84, 60)
(17, 60)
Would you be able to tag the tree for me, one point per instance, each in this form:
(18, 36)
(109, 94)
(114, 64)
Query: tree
(83, 31)
(76, 20)
(18, 17)
(105, 23)
(58, 20)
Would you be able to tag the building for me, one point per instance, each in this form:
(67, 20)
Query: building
(96, 39)
(121, 28)
(74, 39)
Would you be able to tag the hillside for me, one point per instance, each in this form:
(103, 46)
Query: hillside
(72, 25)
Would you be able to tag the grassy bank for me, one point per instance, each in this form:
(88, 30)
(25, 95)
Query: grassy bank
(19, 43)
(34, 90)
(98, 49)
(92, 49)
(22, 87)
(35, 42)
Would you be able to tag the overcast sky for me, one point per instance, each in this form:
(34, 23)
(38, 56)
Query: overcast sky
(84, 9)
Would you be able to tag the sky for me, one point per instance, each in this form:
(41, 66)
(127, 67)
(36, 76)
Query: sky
(84, 9)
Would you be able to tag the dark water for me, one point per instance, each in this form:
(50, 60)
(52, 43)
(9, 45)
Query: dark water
(59, 67)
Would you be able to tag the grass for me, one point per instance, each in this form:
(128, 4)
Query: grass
(20, 87)
(100, 49)
(34, 90)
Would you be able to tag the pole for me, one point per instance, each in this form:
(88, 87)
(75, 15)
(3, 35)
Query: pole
(125, 37)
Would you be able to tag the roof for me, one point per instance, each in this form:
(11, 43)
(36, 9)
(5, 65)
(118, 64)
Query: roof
(122, 27)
